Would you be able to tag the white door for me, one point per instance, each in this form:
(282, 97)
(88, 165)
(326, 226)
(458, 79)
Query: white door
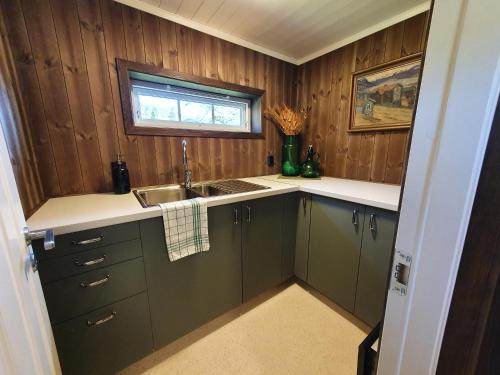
(26, 341)
(458, 97)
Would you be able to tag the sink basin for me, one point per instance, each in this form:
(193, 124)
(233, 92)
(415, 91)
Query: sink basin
(152, 196)
(149, 197)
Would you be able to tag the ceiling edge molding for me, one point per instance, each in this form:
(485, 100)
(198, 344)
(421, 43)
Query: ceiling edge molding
(366, 32)
(148, 8)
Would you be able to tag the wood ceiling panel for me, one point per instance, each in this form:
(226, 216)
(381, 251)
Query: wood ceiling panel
(292, 30)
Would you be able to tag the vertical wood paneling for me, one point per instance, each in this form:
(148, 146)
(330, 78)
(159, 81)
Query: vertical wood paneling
(31, 96)
(14, 123)
(372, 156)
(80, 100)
(111, 13)
(64, 54)
(134, 42)
(42, 36)
(91, 30)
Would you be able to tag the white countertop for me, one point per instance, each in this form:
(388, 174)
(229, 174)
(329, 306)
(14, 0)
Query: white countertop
(81, 212)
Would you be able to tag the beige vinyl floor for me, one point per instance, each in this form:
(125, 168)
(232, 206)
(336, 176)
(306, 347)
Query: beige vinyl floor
(291, 330)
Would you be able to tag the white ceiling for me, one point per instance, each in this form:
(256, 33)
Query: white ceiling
(292, 30)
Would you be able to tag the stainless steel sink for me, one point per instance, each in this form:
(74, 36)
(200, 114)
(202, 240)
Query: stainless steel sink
(152, 196)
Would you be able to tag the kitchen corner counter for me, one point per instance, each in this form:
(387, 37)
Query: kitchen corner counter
(81, 212)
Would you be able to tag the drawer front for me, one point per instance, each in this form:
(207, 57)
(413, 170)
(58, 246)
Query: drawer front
(82, 293)
(88, 260)
(88, 239)
(106, 340)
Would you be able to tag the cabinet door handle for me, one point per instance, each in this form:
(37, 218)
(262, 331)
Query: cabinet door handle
(111, 316)
(77, 263)
(236, 218)
(304, 204)
(88, 242)
(373, 224)
(355, 217)
(249, 213)
(95, 283)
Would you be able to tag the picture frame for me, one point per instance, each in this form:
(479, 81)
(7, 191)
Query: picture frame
(383, 97)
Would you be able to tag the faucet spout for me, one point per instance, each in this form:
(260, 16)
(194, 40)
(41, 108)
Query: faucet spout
(187, 171)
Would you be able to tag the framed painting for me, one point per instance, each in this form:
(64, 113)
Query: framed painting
(384, 97)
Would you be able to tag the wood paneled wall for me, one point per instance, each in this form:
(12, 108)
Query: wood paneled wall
(65, 75)
(13, 122)
(65, 51)
(325, 84)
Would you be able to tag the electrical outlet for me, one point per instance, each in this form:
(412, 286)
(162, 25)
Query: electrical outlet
(270, 160)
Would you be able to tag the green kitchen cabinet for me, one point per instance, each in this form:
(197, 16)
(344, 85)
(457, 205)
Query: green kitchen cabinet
(261, 244)
(191, 291)
(374, 264)
(290, 206)
(334, 248)
(303, 223)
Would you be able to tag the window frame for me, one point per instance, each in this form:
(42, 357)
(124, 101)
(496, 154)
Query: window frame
(129, 71)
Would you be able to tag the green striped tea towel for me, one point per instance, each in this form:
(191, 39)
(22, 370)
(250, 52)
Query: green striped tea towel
(186, 227)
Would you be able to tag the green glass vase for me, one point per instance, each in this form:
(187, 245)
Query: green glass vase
(290, 165)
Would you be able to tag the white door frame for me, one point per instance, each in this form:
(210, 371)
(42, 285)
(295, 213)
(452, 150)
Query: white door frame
(26, 342)
(458, 96)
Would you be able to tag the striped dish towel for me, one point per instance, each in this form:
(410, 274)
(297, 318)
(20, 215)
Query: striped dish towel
(186, 227)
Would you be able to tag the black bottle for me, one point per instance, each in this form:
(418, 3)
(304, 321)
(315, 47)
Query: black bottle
(121, 180)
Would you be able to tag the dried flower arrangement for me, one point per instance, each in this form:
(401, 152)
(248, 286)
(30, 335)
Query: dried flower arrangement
(290, 122)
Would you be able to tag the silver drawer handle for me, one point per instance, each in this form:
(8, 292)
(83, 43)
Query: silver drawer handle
(249, 211)
(88, 242)
(355, 217)
(111, 316)
(95, 283)
(373, 224)
(89, 262)
(236, 217)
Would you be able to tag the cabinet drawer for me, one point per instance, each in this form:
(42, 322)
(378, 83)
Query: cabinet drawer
(82, 293)
(105, 340)
(88, 239)
(70, 265)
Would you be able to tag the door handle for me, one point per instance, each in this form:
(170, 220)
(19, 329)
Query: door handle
(249, 214)
(304, 204)
(47, 235)
(236, 218)
(373, 224)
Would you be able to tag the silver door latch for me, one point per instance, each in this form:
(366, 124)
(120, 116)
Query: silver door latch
(400, 273)
(48, 243)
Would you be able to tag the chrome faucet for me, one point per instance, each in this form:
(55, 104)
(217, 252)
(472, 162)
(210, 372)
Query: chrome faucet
(187, 172)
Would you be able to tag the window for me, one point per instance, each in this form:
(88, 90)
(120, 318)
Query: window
(168, 106)
(157, 101)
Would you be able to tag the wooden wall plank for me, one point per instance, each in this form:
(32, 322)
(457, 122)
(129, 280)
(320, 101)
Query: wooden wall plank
(14, 123)
(134, 42)
(41, 32)
(80, 100)
(111, 13)
(31, 96)
(91, 29)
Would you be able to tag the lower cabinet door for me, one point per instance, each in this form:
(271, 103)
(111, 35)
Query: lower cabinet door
(290, 204)
(334, 247)
(191, 291)
(375, 262)
(261, 245)
(106, 340)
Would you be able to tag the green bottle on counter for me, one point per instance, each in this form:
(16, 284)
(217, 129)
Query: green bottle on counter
(310, 166)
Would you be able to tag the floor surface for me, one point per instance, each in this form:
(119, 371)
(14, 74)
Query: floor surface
(290, 331)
